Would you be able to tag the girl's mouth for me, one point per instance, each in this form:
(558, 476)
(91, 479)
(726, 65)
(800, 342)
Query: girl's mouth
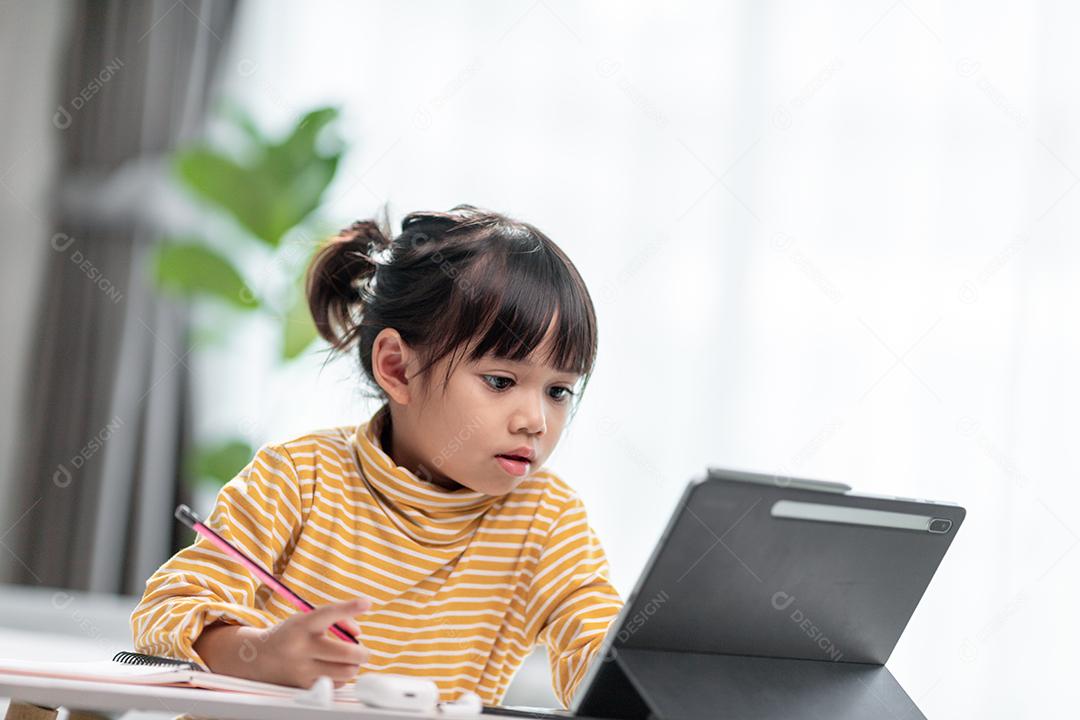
(513, 464)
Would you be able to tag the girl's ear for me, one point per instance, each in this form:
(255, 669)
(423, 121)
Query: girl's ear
(392, 364)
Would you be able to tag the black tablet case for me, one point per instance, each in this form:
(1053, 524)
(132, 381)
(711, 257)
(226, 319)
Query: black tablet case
(743, 615)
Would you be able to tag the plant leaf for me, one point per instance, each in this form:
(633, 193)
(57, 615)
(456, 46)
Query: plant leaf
(234, 188)
(190, 268)
(278, 187)
(299, 329)
(222, 461)
(299, 147)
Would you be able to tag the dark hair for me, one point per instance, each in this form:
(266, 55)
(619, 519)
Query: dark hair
(450, 279)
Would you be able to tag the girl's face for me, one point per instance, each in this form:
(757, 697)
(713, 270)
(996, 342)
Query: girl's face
(491, 409)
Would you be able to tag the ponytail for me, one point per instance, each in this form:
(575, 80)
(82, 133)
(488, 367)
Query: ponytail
(339, 278)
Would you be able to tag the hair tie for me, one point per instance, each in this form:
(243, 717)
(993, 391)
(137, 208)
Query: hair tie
(366, 234)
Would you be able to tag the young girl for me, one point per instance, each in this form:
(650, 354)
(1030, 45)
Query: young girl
(432, 532)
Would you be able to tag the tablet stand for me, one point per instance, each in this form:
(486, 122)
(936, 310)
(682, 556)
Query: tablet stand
(635, 683)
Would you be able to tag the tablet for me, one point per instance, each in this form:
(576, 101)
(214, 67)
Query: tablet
(764, 566)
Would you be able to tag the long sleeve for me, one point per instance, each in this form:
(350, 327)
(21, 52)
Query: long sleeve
(260, 512)
(572, 598)
(463, 585)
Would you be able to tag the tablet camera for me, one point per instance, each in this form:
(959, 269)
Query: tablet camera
(939, 525)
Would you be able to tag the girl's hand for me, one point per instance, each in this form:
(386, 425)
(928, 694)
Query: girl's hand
(294, 652)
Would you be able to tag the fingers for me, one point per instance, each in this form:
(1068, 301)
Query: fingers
(340, 673)
(319, 619)
(330, 649)
(349, 627)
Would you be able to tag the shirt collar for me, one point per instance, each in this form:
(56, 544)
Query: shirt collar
(410, 500)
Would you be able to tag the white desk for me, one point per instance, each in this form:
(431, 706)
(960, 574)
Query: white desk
(118, 698)
(48, 624)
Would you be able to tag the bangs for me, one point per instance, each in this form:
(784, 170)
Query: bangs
(504, 303)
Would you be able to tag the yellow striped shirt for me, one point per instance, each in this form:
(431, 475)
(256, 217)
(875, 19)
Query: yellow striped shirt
(463, 585)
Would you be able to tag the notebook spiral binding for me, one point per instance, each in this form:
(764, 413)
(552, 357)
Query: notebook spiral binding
(134, 658)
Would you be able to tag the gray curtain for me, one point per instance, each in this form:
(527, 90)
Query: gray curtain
(106, 406)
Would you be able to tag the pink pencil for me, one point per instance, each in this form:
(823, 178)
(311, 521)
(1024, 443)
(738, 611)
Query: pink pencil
(193, 521)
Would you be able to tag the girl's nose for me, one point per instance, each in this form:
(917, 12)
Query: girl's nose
(529, 418)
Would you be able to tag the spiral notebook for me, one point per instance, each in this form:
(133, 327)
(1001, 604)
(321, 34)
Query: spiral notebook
(134, 658)
(139, 669)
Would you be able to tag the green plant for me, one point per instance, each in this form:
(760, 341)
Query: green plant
(264, 193)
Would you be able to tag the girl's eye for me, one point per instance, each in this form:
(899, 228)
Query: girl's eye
(561, 393)
(498, 382)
